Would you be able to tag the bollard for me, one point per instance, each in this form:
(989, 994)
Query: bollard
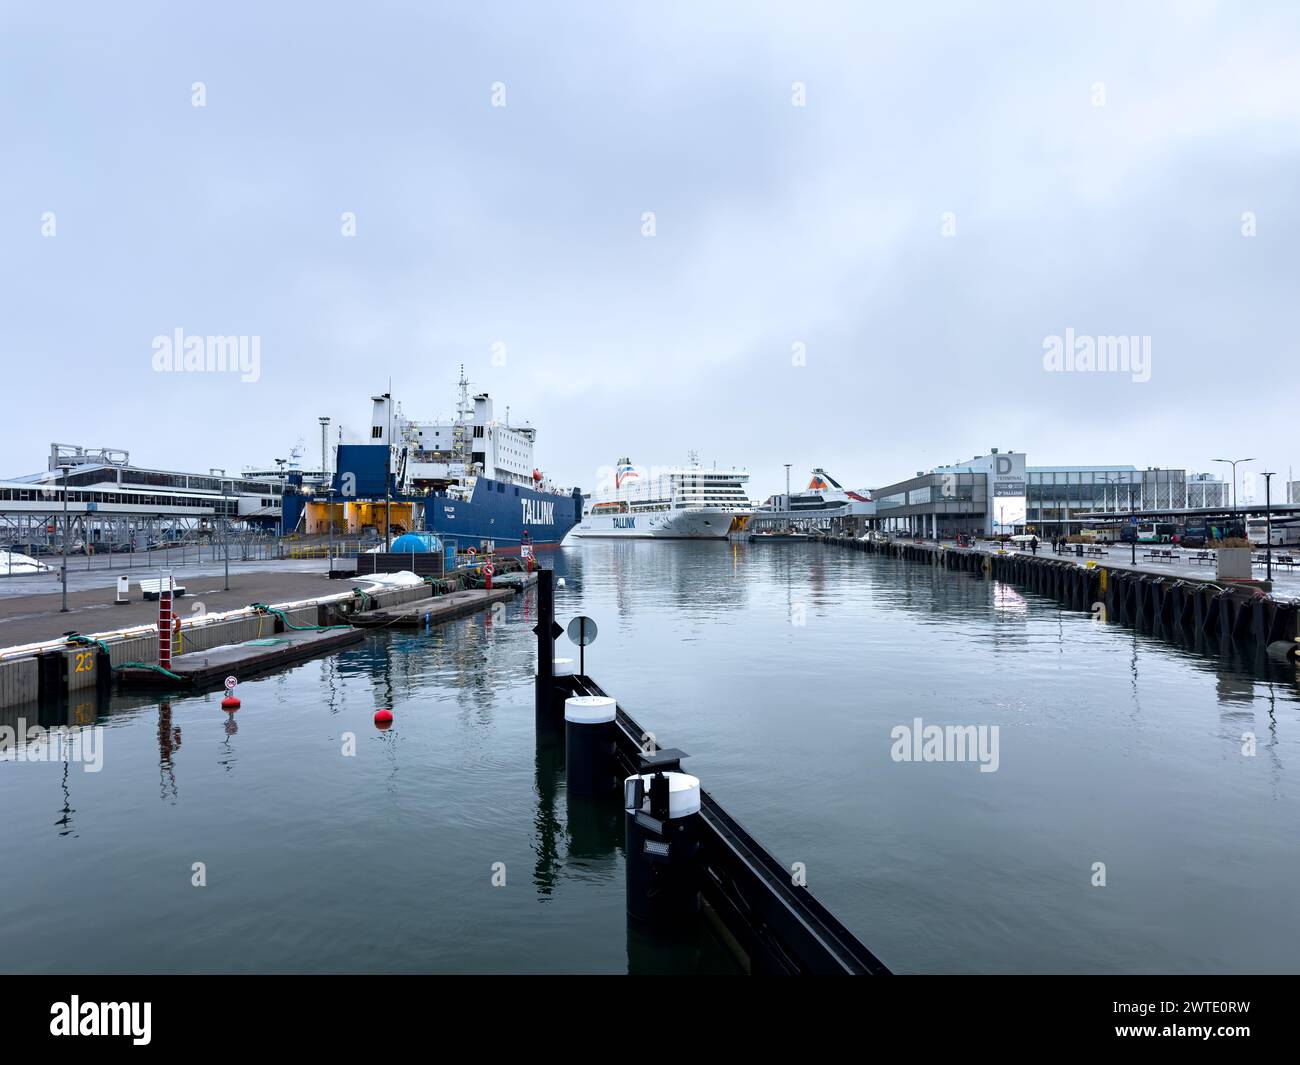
(545, 630)
(103, 676)
(663, 848)
(589, 743)
(563, 667)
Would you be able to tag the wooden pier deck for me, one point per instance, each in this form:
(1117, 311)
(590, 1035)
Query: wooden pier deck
(433, 610)
(209, 669)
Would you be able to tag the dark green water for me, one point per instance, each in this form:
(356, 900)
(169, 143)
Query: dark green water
(782, 669)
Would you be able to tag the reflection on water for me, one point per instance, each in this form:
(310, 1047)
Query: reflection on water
(782, 669)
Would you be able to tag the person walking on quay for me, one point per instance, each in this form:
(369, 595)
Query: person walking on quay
(1033, 544)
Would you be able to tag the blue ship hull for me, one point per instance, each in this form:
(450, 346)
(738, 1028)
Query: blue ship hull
(501, 512)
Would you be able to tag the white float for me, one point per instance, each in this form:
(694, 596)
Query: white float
(590, 709)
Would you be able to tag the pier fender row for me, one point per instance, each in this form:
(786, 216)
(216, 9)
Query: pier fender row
(1168, 606)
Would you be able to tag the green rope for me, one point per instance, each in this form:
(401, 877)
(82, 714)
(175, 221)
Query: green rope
(146, 665)
(264, 609)
(77, 640)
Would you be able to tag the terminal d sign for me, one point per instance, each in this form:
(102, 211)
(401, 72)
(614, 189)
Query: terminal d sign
(1008, 502)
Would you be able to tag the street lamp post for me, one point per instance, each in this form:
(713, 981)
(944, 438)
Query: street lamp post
(1233, 464)
(284, 481)
(64, 608)
(1268, 521)
(329, 512)
(1132, 520)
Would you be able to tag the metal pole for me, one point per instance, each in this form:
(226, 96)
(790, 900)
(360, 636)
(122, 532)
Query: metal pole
(388, 475)
(225, 544)
(1268, 522)
(64, 609)
(788, 519)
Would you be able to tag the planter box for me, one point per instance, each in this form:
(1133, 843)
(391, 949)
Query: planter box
(1234, 564)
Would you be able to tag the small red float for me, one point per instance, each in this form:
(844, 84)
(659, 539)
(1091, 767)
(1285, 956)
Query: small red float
(383, 719)
(230, 703)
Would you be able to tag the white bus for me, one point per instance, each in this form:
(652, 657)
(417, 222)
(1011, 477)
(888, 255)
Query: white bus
(1286, 532)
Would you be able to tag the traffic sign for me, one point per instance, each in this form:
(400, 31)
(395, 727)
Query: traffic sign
(230, 684)
(582, 631)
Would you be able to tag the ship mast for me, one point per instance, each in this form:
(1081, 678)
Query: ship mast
(460, 443)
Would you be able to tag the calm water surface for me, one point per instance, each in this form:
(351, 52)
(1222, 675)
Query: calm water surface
(782, 669)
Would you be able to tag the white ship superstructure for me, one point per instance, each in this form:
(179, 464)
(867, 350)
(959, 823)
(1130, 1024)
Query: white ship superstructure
(440, 455)
(676, 502)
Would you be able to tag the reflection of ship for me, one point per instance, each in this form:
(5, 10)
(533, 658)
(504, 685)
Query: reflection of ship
(676, 503)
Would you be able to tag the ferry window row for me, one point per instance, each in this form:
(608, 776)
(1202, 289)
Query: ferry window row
(54, 496)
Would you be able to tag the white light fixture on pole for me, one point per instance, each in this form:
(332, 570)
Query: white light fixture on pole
(1233, 464)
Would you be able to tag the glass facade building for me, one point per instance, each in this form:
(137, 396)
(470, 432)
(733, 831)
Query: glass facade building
(999, 493)
(1058, 495)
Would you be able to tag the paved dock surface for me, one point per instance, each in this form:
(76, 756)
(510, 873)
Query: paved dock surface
(102, 571)
(1286, 581)
(32, 618)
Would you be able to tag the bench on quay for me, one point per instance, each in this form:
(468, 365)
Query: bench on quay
(1203, 558)
(1096, 552)
(151, 587)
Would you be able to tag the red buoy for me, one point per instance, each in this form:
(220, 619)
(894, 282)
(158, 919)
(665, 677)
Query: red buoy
(230, 703)
(383, 719)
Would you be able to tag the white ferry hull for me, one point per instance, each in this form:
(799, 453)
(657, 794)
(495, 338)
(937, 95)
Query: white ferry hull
(701, 523)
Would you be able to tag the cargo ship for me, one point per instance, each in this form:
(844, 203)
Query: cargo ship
(472, 479)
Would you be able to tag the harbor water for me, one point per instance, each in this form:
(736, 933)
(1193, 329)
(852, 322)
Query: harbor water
(1141, 816)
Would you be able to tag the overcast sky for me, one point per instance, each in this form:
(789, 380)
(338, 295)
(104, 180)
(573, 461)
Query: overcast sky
(869, 219)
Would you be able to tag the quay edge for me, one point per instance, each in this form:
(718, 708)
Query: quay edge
(1184, 608)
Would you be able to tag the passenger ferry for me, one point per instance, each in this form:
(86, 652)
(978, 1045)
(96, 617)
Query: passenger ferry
(824, 497)
(673, 503)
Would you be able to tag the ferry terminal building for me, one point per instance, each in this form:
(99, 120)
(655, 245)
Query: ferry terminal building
(1000, 493)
